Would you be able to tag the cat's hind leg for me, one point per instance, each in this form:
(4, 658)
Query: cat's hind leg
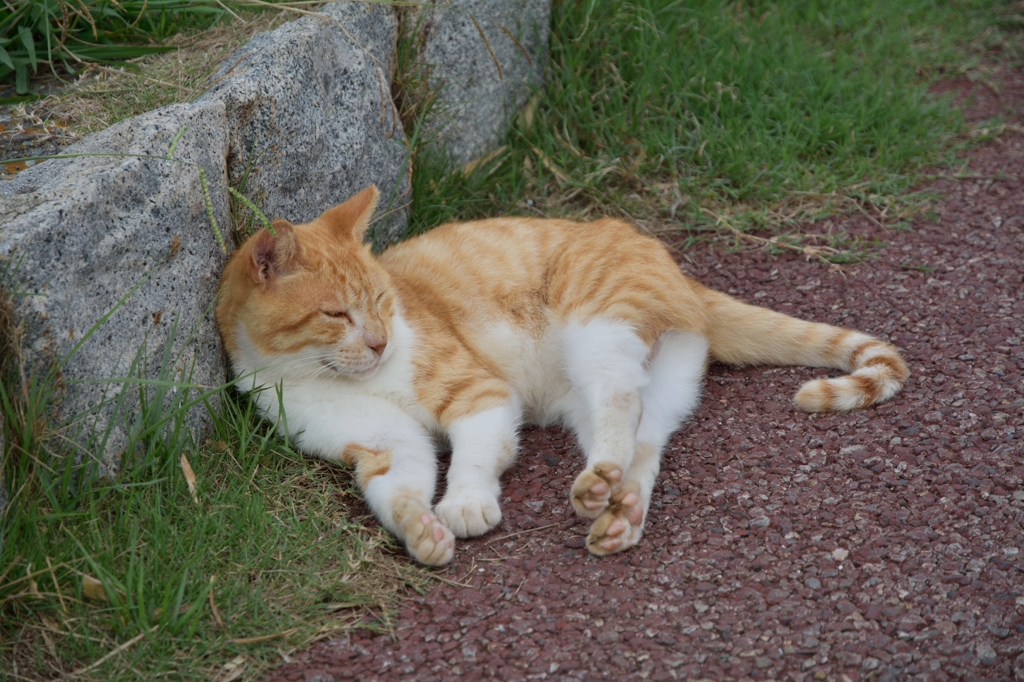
(604, 361)
(671, 396)
(483, 446)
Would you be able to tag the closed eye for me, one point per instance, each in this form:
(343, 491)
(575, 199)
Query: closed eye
(337, 314)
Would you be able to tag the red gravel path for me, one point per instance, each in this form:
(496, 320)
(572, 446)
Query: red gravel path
(883, 543)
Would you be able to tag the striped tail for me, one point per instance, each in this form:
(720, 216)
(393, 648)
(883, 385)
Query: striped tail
(742, 334)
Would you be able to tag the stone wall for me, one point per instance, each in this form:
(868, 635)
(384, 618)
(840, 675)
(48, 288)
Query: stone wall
(300, 118)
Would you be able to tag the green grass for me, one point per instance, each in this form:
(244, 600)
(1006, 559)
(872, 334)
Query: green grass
(272, 547)
(752, 114)
(38, 34)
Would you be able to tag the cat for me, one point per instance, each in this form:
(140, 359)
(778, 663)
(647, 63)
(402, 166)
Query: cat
(472, 329)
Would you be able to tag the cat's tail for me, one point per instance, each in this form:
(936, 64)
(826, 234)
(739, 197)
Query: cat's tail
(742, 334)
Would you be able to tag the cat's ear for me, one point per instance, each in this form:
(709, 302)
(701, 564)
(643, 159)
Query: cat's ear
(350, 220)
(274, 256)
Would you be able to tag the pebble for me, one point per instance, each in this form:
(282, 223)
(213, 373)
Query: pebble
(986, 653)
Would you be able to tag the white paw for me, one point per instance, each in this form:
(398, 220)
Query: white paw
(469, 512)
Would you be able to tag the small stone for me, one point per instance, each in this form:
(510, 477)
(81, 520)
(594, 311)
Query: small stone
(576, 542)
(813, 583)
(997, 631)
(933, 417)
(761, 522)
(820, 675)
(870, 663)
(947, 628)
(986, 653)
(763, 662)
(1018, 495)
(700, 606)
(850, 449)
(840, 554)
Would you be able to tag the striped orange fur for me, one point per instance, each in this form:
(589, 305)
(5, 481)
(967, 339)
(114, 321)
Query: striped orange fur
(473, 327)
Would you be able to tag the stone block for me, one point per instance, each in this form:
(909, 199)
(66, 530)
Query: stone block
(478, 92)
(81, 233)
(311, 117)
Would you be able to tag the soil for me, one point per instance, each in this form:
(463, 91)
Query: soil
(885, 543)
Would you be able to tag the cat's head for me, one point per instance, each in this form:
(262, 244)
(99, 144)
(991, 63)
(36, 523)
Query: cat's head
(310, 301)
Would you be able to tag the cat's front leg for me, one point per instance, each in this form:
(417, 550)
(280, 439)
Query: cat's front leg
(398, 485)
(483, 446)
(392, 454)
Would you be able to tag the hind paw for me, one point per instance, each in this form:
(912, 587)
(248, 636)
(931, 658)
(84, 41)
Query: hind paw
(620, 526)
(594, 487)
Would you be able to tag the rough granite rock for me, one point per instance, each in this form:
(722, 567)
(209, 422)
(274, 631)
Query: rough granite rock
(475, 102)
(3, 453)
(83, 232)
(312, 118)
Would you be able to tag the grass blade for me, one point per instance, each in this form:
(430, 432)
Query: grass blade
(5, 58)
(29, 43)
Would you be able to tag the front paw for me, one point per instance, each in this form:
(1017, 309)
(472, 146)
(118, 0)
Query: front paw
(469, 513)
(427, 540)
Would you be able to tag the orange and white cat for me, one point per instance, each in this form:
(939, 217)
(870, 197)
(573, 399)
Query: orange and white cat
(472, 329)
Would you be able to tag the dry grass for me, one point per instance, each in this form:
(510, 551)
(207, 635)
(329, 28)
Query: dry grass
(103, 96)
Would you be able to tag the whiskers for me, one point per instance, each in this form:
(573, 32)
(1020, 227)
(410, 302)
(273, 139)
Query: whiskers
(299, 368)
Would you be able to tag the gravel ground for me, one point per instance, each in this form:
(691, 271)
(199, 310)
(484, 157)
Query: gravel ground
(885, 543)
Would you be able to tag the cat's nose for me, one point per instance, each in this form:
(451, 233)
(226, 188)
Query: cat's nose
(376, 342)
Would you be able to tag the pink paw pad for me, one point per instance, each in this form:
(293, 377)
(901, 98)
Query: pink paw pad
(619, 527)
(594, 487)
